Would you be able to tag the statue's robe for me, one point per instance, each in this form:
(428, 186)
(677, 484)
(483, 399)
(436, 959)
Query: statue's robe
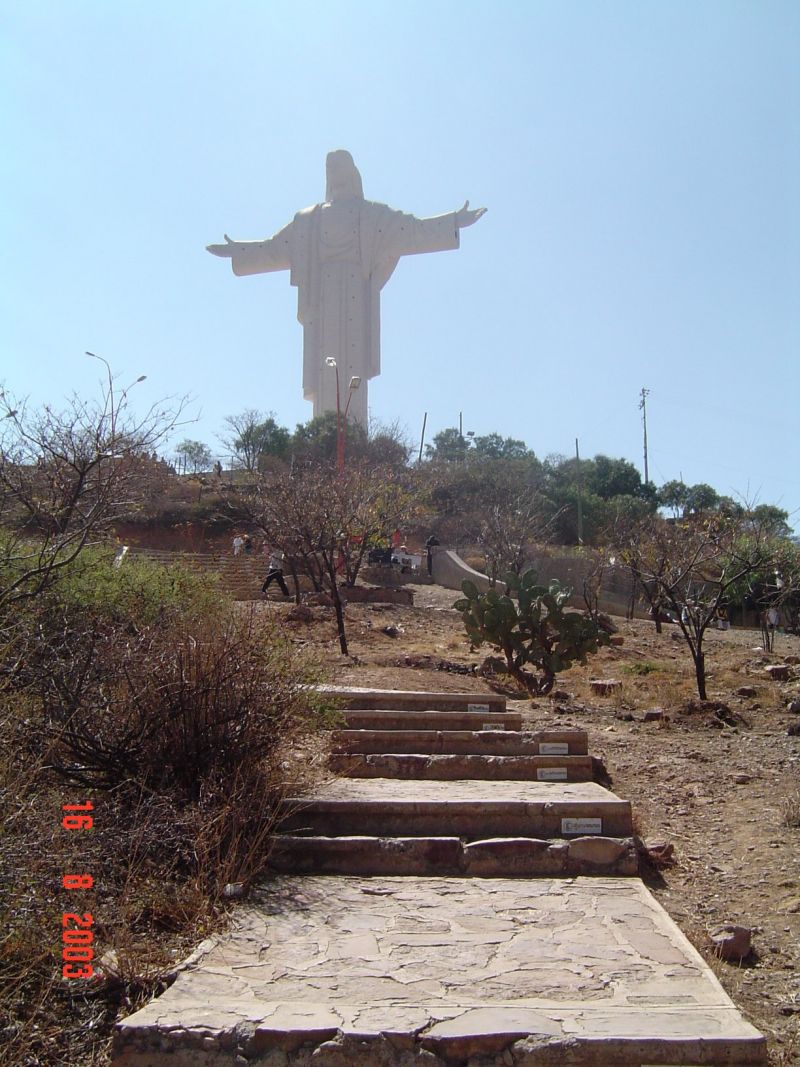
(340, 255)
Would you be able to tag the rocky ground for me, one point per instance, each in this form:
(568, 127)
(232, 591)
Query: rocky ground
(719, 782)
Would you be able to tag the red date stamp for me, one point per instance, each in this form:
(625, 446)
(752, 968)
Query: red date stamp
(77, 935)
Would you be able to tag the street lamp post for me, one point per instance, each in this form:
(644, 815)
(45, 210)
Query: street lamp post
(341, 416)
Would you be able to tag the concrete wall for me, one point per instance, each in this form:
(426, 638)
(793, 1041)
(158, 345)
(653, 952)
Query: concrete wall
(450, 570)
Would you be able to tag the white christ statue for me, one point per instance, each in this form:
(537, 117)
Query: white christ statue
(340, 255)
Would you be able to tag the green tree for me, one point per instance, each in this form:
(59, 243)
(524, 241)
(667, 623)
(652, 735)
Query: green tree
(672, 495)
(493, 446)
(315, 441)
(614, 477)
(449, 446)
(195, 454)
(253, 434)
(700, 498)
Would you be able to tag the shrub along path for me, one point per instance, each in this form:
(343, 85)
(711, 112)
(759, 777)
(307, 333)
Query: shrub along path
(462, 895)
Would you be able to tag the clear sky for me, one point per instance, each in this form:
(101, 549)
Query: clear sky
(640, 162)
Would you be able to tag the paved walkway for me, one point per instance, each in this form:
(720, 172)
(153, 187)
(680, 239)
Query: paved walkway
(460, 971)
(583, 971)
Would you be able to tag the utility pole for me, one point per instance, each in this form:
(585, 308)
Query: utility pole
(422, 436)
(580, 493)
(643, 408)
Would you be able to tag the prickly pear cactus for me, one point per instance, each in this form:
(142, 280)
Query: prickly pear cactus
(535, 634)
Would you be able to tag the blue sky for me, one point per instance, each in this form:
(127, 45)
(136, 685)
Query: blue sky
(640, 163)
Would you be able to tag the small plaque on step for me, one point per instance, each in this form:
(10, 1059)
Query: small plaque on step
(553, 748)
(477, 707)
(551, 774)
(581, 826)
(492, 726)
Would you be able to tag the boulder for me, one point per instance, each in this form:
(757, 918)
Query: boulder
(778, 672)
(732, 942)
(604, 686)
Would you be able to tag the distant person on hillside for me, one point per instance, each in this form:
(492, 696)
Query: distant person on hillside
(248, 544)
(238, 544)
(432, 542)
(275, 573)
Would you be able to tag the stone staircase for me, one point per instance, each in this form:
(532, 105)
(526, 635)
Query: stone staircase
(453, 786)
(462, 895)
(240, 577)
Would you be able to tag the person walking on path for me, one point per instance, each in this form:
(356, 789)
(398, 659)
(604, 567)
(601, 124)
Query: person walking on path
(275, 573)
(238, 544)
(432, 542)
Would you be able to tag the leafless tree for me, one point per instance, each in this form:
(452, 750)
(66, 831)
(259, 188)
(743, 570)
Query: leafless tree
(691, 567)
(66, 475)
(325, 524)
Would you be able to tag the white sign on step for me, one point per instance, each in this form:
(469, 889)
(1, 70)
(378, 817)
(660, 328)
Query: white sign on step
(553, 748)
(492, 726)
(551, 774)
(581, 826)
(477, 707)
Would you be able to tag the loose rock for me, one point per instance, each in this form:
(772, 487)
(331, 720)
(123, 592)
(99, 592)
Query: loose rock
(732, 942)
(778, 672)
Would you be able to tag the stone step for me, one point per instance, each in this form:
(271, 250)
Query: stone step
(356, 697)
(382, 719)
(466, 742)
(384, 807)
(454, 767)
(519, 857)
(339, 971)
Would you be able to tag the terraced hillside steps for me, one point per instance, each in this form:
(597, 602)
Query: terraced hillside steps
(458, 898)
(464, 742)
(455, 767)
(471, 721)
(469, 809)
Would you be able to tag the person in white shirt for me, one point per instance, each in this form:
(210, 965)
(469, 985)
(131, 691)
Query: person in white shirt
(275, 573)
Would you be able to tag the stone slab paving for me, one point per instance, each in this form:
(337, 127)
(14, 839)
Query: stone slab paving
(423, 972)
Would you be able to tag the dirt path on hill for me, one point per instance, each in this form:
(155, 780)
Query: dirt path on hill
(723, 790)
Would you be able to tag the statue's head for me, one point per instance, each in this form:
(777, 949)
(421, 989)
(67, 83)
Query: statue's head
(343, 179)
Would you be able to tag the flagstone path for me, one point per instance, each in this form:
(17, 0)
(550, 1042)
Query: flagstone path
(467, 897)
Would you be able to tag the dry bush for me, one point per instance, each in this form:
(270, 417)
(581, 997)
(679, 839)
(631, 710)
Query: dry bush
(183, 726)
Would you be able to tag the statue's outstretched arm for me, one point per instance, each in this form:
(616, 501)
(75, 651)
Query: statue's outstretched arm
(257, 257)
(466, 217)
(226, 250)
